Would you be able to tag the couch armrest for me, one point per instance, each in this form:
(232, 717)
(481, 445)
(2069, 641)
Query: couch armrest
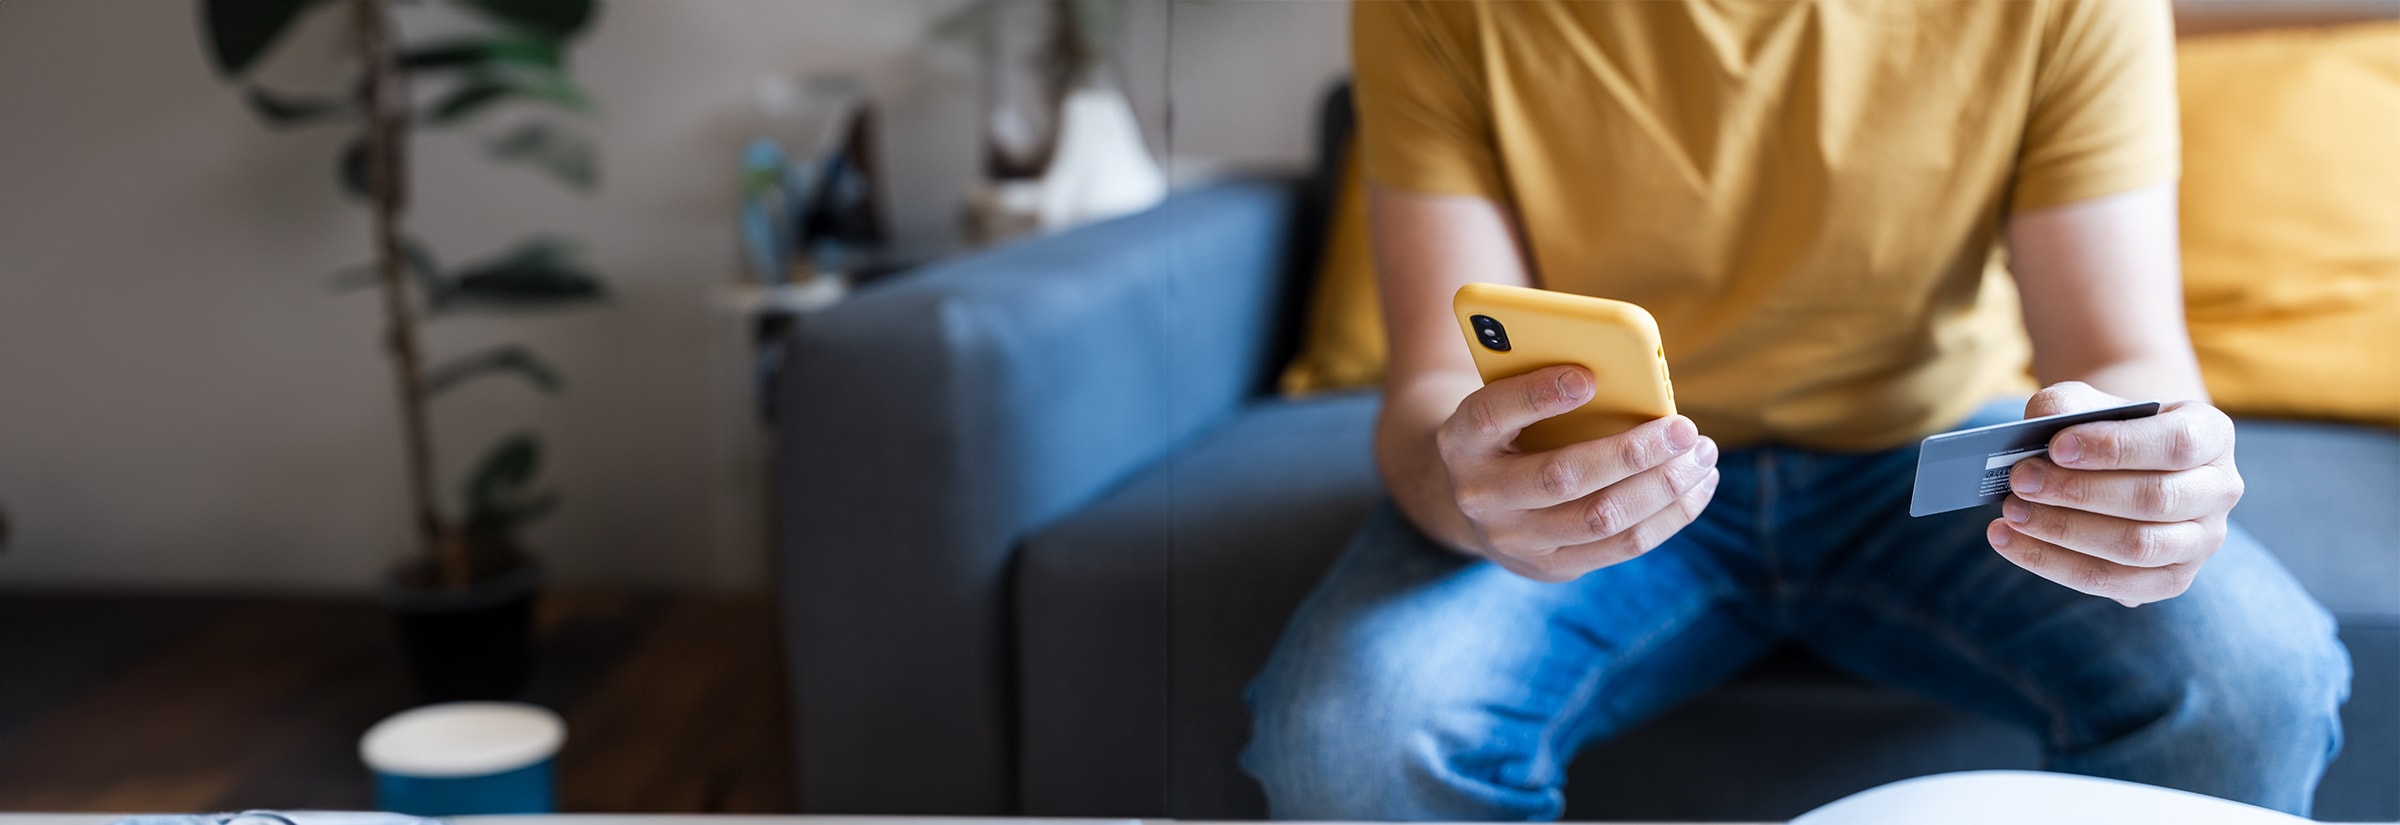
(929, 425)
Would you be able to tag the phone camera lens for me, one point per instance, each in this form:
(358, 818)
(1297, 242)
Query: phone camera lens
(1489, 332)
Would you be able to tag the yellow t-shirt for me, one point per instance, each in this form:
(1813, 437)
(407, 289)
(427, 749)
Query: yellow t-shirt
(1806, 194)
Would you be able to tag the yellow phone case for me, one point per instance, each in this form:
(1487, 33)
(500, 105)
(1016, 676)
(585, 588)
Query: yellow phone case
(1616, 340)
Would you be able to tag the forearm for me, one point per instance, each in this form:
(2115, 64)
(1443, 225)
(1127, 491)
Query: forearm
(1426, 247)
(1412, 466)
(2103, 295)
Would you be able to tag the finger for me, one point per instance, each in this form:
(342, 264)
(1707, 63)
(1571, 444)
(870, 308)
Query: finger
(1567, 563)
(1614, 508)
(1489, 418)
(2186, 435)
(2128, 585)
(2141, 495)
(1553, 477)
(2069, 397)
(2124, 541)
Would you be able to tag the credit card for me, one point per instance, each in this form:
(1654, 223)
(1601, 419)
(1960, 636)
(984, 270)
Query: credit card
(1967, 468)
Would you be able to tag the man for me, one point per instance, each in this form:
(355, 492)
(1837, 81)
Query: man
(1811, 197)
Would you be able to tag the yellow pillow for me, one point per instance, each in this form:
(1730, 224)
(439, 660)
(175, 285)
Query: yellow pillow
(2291, 219)
(1342, 345)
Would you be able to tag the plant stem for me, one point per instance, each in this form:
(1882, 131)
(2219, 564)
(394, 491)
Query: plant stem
(387, 166)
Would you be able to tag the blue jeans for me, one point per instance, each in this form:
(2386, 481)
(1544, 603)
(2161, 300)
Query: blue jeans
(1419, 684)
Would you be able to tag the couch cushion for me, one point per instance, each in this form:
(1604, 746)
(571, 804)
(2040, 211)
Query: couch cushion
(1183, 578)
(2326, 499)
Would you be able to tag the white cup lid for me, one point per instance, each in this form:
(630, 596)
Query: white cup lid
(462, 739)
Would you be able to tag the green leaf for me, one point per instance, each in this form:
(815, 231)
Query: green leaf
(552, 18)
(510, 359)
(537, 274)
(563, 154)
(420, 263)
(466, 100)
(502, 50)
(284, 111)
(498, 497)
(504, 472)
(484, 88)
(241, 31)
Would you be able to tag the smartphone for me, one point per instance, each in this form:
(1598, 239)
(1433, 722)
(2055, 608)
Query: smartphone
(1514, 330)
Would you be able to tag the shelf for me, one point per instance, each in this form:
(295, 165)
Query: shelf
(796, 299)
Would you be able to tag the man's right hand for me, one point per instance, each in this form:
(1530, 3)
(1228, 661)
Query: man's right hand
(1556, 515)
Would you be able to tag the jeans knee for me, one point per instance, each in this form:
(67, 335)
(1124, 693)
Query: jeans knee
(1313, 764)
(2255, 721)
(1324, 753)
(2288, 698)
(1315, 761)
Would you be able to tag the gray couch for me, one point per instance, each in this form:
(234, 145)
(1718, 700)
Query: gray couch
(1040, 520)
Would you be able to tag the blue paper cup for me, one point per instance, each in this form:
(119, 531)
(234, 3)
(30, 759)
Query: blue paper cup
(464, 758)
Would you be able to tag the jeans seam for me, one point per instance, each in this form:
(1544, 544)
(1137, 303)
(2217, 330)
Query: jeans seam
(1763, 531)
(1639, 646)
(2028, 688)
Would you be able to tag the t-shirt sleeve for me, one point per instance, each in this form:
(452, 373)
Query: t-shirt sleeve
(1423, 122)
(2103, 118)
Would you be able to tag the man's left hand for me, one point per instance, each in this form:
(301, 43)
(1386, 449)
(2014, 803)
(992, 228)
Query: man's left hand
(2128, 510)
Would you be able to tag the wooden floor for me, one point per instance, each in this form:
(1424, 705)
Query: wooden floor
(121, 704)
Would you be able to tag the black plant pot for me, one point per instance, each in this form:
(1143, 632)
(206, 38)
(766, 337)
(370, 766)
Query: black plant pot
(468, 643)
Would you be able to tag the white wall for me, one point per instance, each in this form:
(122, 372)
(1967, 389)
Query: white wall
(1247, 78)
(183, 404)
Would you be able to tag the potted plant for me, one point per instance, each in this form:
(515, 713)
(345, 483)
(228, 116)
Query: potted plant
(463, 600)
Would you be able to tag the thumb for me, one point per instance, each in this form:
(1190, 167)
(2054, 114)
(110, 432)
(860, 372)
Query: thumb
(2068, 397)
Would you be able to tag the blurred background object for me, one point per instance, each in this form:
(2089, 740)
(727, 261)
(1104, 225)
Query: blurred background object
(809, 199)
(461, 758)
(464, 598)
(1062, 145)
